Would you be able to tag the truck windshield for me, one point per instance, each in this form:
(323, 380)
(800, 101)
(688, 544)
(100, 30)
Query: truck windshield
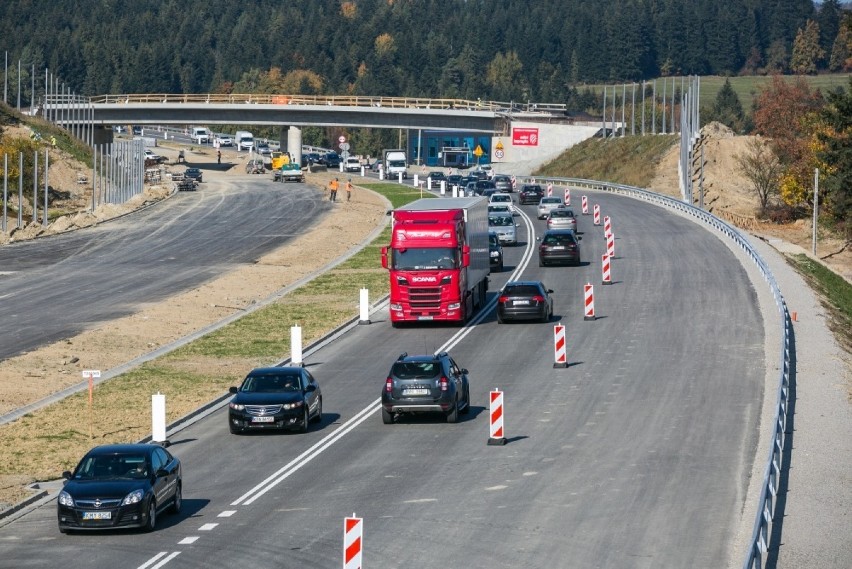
(421, 259)
(396, 164)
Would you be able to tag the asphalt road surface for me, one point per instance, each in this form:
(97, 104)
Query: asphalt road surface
(55, 287)
(635, 456)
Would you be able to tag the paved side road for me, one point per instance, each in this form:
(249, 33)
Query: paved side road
(816, 488)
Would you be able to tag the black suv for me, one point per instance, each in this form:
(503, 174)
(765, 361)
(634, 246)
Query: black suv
(425, 384)
(331, 160)
(495, 250)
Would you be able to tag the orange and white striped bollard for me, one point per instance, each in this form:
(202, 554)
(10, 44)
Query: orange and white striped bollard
(567, 196)
(496, 435)
(549, 190)
(605, 270)
(597, 214)
(353, 535)
(589, 301)
(607, 225)
(559, 348)
(585, 203)
(610, 245)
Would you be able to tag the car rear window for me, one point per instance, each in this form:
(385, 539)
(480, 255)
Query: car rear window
(521, 290)
(551, 200)
(561, 213)
(558, 239)
(416, 370)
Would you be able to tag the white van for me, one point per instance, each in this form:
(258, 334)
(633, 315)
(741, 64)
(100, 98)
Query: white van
(244, 140)
(200, 135)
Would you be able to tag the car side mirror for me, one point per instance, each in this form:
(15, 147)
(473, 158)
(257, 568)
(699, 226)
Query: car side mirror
(549, 291)
(538, 238)
(579, 238)
(232, 390)
(162, 472)
(463, 371)
(66, 474)
(311, 387)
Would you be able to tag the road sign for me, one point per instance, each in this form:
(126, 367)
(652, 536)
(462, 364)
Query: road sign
(498, 153)
(343, 145)
(478, 151)
(341, 139)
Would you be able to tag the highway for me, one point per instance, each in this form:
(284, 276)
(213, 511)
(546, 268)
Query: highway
(635, 456)
(55, 287)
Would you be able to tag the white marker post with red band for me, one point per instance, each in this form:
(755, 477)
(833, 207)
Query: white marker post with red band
(496, 436)
(559, 348)
(585, 202)
(353, 535)
(589, 301)
(606, 276)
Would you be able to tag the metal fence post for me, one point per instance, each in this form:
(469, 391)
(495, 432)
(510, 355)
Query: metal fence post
(46, 174)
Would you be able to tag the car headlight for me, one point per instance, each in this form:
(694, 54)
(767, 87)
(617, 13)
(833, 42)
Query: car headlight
(133, 498)
(294, 405)
(236, 406)
(495, 253)
(65, 499)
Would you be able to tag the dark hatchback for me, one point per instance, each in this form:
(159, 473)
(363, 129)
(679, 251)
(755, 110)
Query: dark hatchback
(435, 179)
(120, 486)
(275, 398)
(559, 246)
(193, 173)
(524, 300)
(495, 251)
(530, 194)
(331, 159)
(426, 384)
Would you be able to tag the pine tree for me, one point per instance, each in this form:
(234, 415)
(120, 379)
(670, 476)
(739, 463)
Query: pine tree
(807, 53)
(837, 154)
(727, 108)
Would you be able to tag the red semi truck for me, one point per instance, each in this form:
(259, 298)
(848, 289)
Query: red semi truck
(438, 260)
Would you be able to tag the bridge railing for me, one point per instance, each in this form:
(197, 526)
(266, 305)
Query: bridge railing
(333, 100)
(757, 547)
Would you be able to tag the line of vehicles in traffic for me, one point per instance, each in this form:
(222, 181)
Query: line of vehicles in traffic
(439, 257)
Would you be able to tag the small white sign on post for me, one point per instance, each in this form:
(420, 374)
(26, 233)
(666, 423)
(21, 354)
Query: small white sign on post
(296, 345)
(364, 303)
(158, 418)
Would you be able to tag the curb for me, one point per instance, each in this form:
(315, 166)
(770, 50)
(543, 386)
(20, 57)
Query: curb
(23, 504)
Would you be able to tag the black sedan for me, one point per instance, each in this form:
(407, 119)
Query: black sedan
(524, 300)
(275, 398)
(530, 194)
(120, 486)
(193, 173)
(559, 246)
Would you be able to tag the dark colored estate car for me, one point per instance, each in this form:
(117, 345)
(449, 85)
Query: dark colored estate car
(275, 398)
(194, 173)
(524, 300)
(120, 486)
(425, 384)
(530, 194)
(559, 246)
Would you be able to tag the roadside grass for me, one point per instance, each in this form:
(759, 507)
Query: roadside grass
(629, 160)
(42, 444)
(834, 293)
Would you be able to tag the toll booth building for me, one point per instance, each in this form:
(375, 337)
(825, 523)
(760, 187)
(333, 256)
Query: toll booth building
(449, 149)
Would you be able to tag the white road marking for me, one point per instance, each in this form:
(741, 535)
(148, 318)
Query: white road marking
(227, 514)
(150, 563)
(207, 527)
(501, 487)
(188, 540)
(420, 501)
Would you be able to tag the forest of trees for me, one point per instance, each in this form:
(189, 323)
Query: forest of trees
(506, 50)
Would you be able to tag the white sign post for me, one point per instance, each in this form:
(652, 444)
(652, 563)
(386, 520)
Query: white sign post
(158, 418)
(296, 345)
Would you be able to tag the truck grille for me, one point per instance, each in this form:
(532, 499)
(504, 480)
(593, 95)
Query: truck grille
(424, 297)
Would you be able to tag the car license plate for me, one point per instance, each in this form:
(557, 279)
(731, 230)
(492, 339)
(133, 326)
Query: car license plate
(415, 392)
(97, 515)
(522, 302)
(424, 318)
(559, 248)
(262, 419)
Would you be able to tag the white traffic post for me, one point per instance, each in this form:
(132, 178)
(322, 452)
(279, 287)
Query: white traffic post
(399, 178)
(416, 180)
(606, 276)
(559, 348)
(443, 187)
(549, 189)
(607, 225)
(567, 196)
(381, 173)
(365, 306)
(496, 435)
(353, 536)
(610, 245)
(158, 418)
(585, 201)
(596, 215)
(296, 345)
(363, 172)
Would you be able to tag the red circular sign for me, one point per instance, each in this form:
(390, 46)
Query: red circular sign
(341, 139)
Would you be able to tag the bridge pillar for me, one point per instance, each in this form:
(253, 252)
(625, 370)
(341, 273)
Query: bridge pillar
(294, 143)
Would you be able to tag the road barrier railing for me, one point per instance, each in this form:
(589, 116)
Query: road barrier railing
(758, 545)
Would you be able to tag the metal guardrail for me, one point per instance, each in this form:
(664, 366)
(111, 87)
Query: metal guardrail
(757, 548)
(332, 100)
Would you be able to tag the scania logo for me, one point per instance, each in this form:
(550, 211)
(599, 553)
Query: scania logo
(424, 279)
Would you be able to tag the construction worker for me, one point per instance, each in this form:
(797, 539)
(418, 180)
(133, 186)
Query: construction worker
(349, 189)
(333, 186)
(53, 141)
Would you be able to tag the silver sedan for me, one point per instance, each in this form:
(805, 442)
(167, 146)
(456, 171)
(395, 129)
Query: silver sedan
(548, 203)
(562, 218)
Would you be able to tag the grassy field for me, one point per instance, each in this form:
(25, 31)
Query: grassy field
(44, 443)
(630, 160)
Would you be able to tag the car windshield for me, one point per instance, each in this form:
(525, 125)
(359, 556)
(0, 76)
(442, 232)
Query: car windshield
(521, 290)
(112, 466)
(558, 239)
(416, 370)
(500, 221)
(425, 258)
(271, 383)
(436, 174)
